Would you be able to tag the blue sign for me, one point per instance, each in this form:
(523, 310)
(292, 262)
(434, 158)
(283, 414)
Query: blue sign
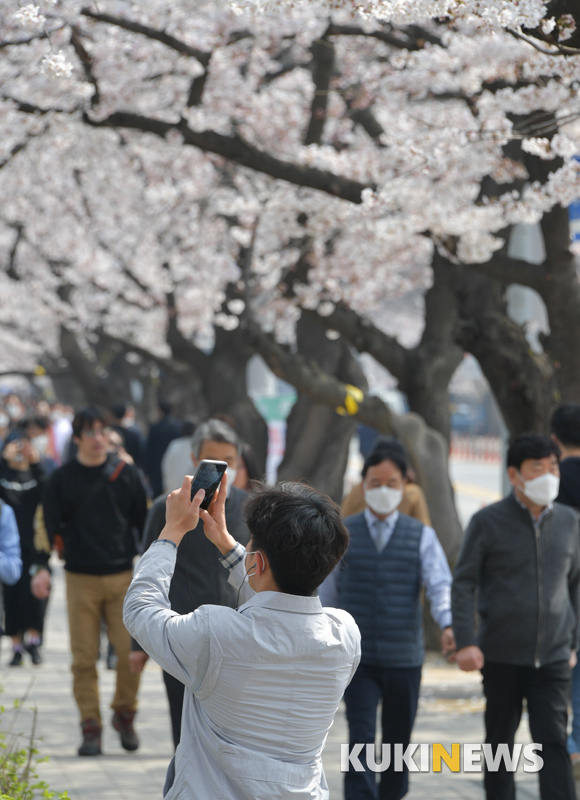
(574, 215)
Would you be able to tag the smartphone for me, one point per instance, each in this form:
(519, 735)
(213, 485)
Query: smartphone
(207, 477)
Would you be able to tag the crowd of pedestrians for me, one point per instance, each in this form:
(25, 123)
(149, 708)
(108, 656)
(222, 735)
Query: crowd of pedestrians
(93, 487)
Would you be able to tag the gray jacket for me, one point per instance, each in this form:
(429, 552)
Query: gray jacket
(527, 574)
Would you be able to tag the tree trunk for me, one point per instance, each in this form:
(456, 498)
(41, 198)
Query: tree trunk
(318, 438)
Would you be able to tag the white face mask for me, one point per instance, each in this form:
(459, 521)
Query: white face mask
(542, 490)
(383, 500)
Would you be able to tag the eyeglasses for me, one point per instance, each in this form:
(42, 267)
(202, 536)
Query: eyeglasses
(91, 433)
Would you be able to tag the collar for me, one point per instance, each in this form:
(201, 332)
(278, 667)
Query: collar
(535, 520)
(280, 601)
(389, 521)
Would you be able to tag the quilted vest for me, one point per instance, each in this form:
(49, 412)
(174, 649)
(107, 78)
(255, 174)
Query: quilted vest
(381, 591)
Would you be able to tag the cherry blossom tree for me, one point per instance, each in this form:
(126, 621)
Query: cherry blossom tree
(257, 176)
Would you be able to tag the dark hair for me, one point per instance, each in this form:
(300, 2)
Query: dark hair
(386, 449)
(565, 424)
(300, 531)
(118, 410)
(85, 419)
(530, 445)
(165, 407)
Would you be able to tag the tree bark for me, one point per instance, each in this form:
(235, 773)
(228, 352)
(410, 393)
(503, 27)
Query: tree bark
(317, 437)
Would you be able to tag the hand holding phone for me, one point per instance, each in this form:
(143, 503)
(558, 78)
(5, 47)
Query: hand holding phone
(208, 476)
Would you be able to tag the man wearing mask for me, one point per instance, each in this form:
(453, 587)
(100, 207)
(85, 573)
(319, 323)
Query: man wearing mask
(198, 579)
(522, 557)
(379, 581)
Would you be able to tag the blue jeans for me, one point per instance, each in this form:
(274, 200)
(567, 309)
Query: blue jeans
(574, 737)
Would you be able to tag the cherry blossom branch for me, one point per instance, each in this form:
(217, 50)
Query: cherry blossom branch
(20, 146)
(241, 152)
(367, 338)
(383, 36)
(560, 49)
(11, 271)
(151, 33)
(87, 63)
(323, 67)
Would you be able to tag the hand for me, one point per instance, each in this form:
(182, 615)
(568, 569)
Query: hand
(469, 658)
(137, 660)
(40, 584)
(214, 520)
(448, 644)
(181, 513)
(30, 452)
(573, 659)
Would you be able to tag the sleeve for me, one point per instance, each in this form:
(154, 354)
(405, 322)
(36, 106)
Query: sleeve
(465, 583)
(234, 562)
(139, 506)
(436, 577)
(51, 507)
(154, 524)
(574, 589)
(329, 589)
(180, 644)
(10, 560)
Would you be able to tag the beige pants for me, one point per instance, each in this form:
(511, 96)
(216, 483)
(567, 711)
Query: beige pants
(90, 597)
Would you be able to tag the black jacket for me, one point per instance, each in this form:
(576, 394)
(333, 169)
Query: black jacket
(99, 514)
(570, 482)
(199, 578)
(528, 578)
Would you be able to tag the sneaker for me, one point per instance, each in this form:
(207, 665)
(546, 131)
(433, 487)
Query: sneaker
(35, 654)
(91, 745)
(16, 659)
(123, 723)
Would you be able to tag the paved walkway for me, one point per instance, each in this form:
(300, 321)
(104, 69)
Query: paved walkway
(450, 711)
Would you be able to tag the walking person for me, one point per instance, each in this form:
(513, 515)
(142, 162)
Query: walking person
(21, 482)
(198, 578)
(565, 431)
(389, 558)
(521, 555)
(97, 504)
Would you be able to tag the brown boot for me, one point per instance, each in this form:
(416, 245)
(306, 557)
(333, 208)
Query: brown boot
(123, 723)
(91, 745)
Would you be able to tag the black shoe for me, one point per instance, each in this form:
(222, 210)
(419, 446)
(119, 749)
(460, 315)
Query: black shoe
(123, 723)
(91, 745)
(35, 654)
(16, 659)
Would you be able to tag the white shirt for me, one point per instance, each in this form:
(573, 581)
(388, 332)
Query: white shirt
(264, 682)
(176, 463)
(435, 573)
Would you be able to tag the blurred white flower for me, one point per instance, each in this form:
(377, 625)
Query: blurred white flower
(236, 306)
(57, 65)
(29, 17)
